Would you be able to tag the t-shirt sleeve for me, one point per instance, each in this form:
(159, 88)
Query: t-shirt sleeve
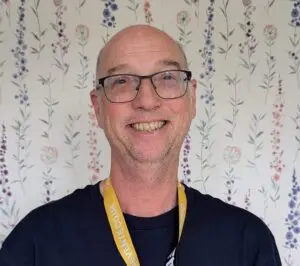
(18, 247)
(260, 245)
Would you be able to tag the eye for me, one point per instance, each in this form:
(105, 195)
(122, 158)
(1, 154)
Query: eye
(168, 76)
(120, 80)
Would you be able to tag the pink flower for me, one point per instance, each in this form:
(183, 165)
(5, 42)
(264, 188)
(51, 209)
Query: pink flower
(276, 115)
(276, 177)
(57, 2)
(270, 32)
(183, 18)
(82, 32)
(49, 155)
(92, 116)
(247, 2)
(232, 154)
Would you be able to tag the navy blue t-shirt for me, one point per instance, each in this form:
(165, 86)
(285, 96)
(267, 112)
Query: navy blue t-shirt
(74, 231)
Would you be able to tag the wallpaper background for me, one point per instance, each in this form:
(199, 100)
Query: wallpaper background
(244, 145)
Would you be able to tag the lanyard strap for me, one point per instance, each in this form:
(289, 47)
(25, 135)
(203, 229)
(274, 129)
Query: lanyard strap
(118, 225)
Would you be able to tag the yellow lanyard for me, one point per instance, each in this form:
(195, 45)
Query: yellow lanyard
(118, 225)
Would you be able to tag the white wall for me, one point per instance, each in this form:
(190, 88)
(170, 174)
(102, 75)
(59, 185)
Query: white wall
(245, 141)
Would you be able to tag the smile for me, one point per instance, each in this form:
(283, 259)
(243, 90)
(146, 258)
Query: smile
(149, 126)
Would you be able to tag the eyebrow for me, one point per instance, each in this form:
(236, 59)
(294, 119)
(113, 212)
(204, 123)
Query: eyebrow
(168, 62)
(112, 70)
(164, 62)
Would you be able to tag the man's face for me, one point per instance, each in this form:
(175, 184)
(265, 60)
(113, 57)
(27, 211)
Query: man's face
(148, 129)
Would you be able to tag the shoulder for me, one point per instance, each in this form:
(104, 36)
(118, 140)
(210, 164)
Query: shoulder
(216, 212)
(230, 226)
(58, 212)
(78, 203)
(48, 225)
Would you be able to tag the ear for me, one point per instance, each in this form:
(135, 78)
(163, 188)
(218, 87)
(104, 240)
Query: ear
(193, 96)
(95, 98)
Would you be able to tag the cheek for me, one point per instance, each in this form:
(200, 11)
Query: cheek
(114, 118)
(184, 109)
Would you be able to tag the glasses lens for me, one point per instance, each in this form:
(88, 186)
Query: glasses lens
(170, 84)
(121, 88)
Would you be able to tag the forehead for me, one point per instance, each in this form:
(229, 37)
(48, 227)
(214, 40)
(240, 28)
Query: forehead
(140, 53)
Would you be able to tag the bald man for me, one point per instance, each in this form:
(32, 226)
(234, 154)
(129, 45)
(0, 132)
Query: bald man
(141, 214)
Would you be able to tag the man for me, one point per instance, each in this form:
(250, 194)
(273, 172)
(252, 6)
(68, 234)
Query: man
(141, 215)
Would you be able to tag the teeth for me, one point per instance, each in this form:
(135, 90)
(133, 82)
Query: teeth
(149, 127)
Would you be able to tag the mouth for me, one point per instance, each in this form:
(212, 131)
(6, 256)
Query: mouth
(148, 126)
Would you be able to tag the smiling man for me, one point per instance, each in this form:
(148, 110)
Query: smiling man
(141, 215)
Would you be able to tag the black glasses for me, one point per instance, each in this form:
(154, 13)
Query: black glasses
(168, 84)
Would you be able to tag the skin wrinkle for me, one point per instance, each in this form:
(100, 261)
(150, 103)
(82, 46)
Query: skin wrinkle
(102, 50)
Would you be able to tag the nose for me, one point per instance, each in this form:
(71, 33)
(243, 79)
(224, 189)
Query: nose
(146, 98)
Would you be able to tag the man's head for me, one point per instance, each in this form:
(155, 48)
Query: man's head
(142, 124)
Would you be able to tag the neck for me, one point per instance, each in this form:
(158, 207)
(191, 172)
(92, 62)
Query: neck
(145, 191)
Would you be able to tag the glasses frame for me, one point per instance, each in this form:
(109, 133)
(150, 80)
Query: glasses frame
(102, 80)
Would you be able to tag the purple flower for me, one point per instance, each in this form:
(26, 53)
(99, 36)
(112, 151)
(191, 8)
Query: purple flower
(289, 235)
(292, 204)
(187, 147)
(297, 230)
(114, 7)
(106, 13)
(295, 12)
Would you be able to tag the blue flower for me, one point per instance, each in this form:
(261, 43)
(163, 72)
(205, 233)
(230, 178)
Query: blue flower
(292, 204)
(114, 7)
(25, 98)
(106, 13)
(295, 12)
(297, 230)
(289, 235)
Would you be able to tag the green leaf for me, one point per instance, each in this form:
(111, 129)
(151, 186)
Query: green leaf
(251, 140)
(242, 26)
(82, 3)
(44, 121)
(221, 50)
(259, 134)
(75, 134)
(130, 8)
(43, 32)
(34, 12)
(223, 11)
(229, 121)
(67, 140)
(223, 36)
(37, 4)
(227, 2)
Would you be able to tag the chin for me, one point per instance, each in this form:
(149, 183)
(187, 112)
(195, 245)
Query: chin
(149, 157)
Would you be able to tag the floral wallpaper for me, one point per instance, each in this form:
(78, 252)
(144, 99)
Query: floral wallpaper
(243, 146)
